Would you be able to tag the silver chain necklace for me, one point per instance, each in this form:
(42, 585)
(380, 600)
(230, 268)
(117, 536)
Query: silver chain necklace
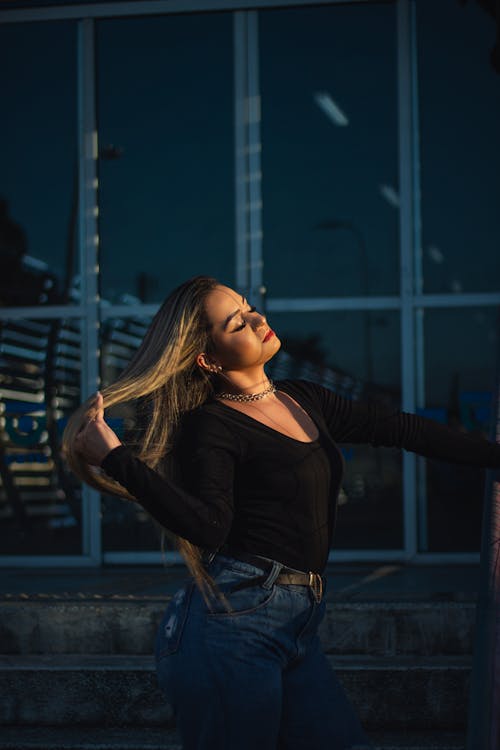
(248, 396)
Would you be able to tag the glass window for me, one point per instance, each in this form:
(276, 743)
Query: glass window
(125, 525)
(460, 350)
(329, 150)
(40, 500)
(319, 347)
(165, 102)
(39, 160)
(356, 354)
(459, 122)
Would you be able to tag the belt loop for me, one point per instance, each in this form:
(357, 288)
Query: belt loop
(316, 584)
(273, 574)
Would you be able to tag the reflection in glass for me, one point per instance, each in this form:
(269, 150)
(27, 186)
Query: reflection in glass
(460, 347)
(125, 525)
(330, 348)
(38, 158)
(363, 344)
(40, 501)
(165, 104)
(329, 150)
(459, 117)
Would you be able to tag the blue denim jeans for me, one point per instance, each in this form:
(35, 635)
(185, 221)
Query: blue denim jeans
(254, 678)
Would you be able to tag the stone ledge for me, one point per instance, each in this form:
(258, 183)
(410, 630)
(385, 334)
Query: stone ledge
(128, 626)
(152, 738)
(118, 691)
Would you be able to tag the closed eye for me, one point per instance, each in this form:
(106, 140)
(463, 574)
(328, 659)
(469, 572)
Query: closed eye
(251, 310)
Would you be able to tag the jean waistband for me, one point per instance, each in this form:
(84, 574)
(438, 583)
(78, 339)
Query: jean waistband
(274, 572)
(264, 563)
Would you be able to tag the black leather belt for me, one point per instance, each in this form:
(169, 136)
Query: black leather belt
(287, 576)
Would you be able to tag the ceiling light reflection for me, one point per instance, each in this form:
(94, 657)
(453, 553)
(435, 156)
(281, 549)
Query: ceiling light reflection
(331, 110)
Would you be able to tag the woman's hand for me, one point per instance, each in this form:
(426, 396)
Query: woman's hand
(96, 439)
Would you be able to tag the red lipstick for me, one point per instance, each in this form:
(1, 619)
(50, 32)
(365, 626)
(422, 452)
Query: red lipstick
(268, 335)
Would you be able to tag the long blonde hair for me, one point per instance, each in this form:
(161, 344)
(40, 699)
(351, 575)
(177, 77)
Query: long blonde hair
(165, 373)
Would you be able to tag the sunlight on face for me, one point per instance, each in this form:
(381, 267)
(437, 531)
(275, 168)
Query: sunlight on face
(238, 331)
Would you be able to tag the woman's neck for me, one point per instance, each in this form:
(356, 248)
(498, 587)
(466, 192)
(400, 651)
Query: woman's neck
(238, 381)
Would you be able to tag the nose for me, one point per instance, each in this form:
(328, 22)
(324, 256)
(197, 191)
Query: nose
(261, 320)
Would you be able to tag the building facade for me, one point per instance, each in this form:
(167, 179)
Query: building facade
(335, 161)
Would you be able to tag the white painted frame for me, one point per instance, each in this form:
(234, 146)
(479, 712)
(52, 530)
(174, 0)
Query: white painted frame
(81, 11)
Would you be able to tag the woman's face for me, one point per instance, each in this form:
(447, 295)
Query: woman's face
(238, 331)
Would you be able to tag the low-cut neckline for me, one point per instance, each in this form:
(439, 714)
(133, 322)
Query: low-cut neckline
(271, 429)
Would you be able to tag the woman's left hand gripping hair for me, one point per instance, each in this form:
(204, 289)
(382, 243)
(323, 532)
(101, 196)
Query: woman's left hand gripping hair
(96, 438)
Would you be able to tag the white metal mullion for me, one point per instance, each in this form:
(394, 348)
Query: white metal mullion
(254, 157)
(41, 313)
(391, 555)
(366, 555)
(469, 299)
(335, 556)
(143, 557)
(275, 304)
(128, 311)
(151, 7)
(174, 558)
(419, 312)
(406, 261)
(316, 304)
(47, 561)
(240, 150)
(446, 558)
(88, 241)
(417, 221)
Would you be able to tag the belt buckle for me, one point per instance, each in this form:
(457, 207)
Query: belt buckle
(316, 584)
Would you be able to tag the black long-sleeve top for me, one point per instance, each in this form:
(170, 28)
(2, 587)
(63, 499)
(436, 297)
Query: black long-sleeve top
(252, 488)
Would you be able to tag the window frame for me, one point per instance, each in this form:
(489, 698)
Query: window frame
(248, 243)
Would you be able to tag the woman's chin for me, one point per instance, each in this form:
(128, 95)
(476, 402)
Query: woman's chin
(275, 347)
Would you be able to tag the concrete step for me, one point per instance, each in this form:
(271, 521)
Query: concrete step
(398, 693)
(96, 625)
(152, 738)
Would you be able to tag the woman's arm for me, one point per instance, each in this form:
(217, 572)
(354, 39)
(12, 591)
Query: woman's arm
(202, 512)
(368, 422)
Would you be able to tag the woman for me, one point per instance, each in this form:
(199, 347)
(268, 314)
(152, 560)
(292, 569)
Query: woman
(246, 474)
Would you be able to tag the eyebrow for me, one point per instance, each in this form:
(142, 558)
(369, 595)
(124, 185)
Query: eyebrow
(230, 317)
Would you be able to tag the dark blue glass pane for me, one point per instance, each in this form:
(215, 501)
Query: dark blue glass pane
(357, 355)
(460, 159)
(40, 500)
(165, 102)
(460, 350)
(125, 526)
(38, 160)
(329, 150)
